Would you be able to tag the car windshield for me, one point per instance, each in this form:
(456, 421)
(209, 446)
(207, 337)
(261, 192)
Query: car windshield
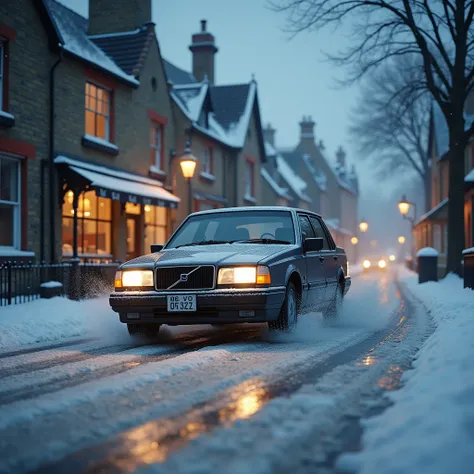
(227, 227)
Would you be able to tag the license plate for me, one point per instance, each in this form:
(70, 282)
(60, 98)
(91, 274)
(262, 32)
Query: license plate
(180, 303)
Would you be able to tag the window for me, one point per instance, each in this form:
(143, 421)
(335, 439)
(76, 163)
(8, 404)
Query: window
(319, 231)
(2, 82)
(208, 161)
(249, 179)
(94, 225)
(97, 111)
(307, 231)
(9, 202)
(156, 225)
(156, 145)
(437, 237)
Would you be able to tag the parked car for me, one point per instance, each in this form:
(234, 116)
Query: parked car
(235, 265)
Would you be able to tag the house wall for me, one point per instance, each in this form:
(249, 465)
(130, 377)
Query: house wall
(251, 150)
(29, 63)
(349, 214)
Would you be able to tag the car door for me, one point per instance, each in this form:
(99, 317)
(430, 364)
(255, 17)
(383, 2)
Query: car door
(329, 256)
(314, 266)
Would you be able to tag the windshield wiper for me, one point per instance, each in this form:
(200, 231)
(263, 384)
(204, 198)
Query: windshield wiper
(263, 241)
(206, 242)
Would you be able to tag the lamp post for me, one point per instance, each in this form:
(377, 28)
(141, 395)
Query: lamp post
(363, 226)
(188, 164)
(404, 207)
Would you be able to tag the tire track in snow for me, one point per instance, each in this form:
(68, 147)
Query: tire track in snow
(155, 440)
(37, 386)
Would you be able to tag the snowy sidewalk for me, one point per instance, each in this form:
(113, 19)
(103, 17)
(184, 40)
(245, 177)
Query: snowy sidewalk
(430, 427)
(55, 319)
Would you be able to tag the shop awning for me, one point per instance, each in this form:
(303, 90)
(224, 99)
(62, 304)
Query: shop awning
(119, 185)
(438, 213)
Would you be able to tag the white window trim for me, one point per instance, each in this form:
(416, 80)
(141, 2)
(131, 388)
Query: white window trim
(157, 148)
(17, 209)
(2, 52)
(249, 179)
(207, 164)
(107, 117)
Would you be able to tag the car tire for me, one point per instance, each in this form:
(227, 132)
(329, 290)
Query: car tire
(288, 317)
(147, 330)
(335, 308)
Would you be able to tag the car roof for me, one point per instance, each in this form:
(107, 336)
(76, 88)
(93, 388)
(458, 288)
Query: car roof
(255, 208)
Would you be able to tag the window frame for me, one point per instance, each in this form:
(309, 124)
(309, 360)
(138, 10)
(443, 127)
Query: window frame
(250, 168)
(108, 118)
(154, 226)
(17, 206)
(305, 216)
(327, 235)
(154, 126)
(210, 162)
(96, 220)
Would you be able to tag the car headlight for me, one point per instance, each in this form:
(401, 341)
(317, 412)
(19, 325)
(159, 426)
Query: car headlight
(259, 275)
(382, 263)
(134, 278)
(366, 263)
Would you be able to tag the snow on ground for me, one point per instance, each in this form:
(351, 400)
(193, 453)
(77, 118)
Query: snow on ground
(430, 427)
(47, 320)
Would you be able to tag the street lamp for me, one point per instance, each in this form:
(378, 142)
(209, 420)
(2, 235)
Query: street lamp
(404, 207)
(363, 226)
(354, 240)
(401, 240)
(188, 164)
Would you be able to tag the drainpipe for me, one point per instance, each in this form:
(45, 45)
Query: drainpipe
(52, 201)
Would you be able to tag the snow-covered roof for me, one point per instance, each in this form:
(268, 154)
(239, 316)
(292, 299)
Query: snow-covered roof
(295, 182)
(270, 150)
(318, 175)
(469, 177)
(190, 98)
(434, 211)
(282, 192)
(177, 75)
(72, 30)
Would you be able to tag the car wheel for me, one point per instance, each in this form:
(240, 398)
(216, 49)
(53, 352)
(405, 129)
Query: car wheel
(147, 330)
(288, 317)
(335, 308)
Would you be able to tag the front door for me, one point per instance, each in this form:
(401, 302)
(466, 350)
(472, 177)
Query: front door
(315, 268)
(133, 236)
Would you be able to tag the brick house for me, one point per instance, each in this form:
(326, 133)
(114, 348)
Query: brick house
(431, 229)
(224, 127)
(25, 65)
(113, 131)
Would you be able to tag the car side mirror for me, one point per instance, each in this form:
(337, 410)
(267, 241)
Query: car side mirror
(313, 244)
(156, 248)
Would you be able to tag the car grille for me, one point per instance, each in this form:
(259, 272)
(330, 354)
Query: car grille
(198, 278)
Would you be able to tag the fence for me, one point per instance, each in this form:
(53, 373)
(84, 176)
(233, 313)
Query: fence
(21, 282)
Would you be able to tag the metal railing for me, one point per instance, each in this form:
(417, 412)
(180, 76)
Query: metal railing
(22, 282)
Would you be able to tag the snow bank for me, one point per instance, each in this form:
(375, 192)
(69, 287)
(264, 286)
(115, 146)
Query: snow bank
(47, 320)
(430, 427)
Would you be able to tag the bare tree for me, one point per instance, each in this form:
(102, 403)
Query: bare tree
(441, 34)
(391, 121)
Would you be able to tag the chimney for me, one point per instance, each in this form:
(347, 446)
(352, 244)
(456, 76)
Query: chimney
(341, 158)
(269, 134)
(203, 48)
(115, 16)
(307, 129)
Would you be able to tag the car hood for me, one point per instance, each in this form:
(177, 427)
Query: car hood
(227, 254)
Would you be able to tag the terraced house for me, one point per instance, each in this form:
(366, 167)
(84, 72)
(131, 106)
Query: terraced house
(224, 128)
(431, 229)
(102, 84)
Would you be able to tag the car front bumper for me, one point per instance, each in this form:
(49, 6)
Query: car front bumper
(213, 307)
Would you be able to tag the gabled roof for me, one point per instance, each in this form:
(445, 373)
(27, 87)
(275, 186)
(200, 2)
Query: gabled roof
(71, 31)
(297, 184)
(177, 75)
(127, 49)
(298, 160)
(190, 98)
(279, 191)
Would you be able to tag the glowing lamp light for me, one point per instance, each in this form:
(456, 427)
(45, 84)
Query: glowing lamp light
(188, 163)
(147, 208)
(382, 263)
(363, 226)
(404, 206)
(392, 258)
(401, 239)
(366, 264)
(354, 240)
